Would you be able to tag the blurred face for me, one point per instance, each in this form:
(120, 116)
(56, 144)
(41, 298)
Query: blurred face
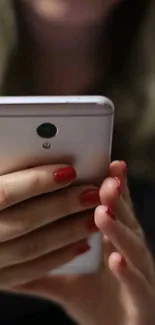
(85, 9)
(73, 27)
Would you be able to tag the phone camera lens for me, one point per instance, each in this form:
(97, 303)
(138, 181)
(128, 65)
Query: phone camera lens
(47, 130)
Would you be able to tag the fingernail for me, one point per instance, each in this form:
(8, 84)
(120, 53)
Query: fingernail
(123, 262)
(90, 197)
(65, 175)
(82, 249)
(91, 226)
(119, 187)
(124, 168)
(110, 214)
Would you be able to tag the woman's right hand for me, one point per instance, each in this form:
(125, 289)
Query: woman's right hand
(35, 235)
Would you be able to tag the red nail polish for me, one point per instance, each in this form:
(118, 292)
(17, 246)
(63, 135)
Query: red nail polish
(83, 249)
(124, 168)
(123, 262)
(65, 175)
(91, 226)
(110, 214)
(90, 197)
(119, 187)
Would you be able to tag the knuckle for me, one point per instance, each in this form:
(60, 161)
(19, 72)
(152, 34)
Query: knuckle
(20, 228)
(41, 179)
(4, 196)
(29, 250)
(142, 250)
(139, 232)
(13, 224)
(36, 182)
(12, 231)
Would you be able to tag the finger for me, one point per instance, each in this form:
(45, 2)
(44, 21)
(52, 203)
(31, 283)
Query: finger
(47, 239)
(119, 169)
(32, 214)
(131, 278)
(110, 195)
(123, 239)
(21, 274)
(22, 185)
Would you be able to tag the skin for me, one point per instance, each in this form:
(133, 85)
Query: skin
(123, 291)
(27, 232)
(55, 72)
(56, 8)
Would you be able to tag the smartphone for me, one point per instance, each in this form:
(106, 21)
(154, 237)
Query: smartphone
(75, 130)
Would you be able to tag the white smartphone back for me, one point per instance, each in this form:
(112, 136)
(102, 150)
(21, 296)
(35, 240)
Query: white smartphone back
(75, 130)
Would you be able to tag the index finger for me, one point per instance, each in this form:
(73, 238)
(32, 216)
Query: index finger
(23, 185)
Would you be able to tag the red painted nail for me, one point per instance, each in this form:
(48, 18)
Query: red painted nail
(83, 249)
(65, 175)
(90, 197)
(119, 187)
(110, 214)
(123, 262)
(91, 226)
(124, 168)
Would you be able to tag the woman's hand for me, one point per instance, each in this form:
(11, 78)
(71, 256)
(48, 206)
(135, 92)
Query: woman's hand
(123, 291)
(34, 235)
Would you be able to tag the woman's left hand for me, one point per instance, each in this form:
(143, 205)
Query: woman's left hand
(123, 291)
